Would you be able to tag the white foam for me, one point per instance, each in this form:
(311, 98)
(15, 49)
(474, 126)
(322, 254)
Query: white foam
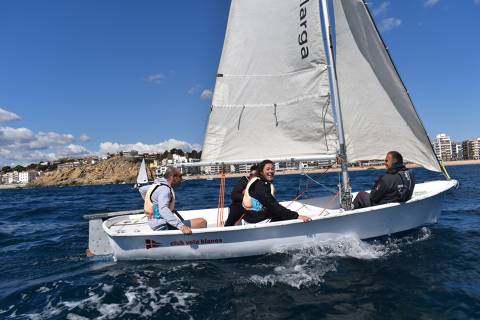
(142, 301)
(73, 316)
(107, 288)
(43, 289)
(109, 311)
(9, 308)
(307, 265)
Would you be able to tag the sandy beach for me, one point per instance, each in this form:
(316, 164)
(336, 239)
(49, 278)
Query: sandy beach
(12, 186)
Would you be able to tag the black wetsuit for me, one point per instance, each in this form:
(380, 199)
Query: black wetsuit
(236, 209)
(261, 190)
(396, 185)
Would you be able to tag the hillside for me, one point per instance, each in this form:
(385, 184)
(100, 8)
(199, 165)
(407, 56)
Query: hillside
(113, 170)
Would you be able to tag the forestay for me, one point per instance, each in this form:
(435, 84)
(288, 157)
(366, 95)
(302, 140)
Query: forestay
(378, 115)
(271, 97)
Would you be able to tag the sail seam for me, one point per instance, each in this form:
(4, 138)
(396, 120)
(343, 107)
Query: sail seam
(277, 74)
(288, 102)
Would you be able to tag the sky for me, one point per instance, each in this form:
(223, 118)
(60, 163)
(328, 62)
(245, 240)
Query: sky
(89, 77)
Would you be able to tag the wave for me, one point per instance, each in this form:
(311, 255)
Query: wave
(307, 266)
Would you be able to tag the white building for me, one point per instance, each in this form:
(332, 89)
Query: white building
(471, 149)
(27, 176)
(457, 151)
(12, 177)
(443, 147)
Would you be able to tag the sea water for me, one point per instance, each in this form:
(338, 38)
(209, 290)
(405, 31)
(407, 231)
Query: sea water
(427, 273)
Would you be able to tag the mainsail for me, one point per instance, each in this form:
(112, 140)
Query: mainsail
(272, 96)
(378, 114)
(142, 173)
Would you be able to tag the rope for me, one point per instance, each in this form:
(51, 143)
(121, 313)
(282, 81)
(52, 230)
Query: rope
(321, 185)
(221, 199)
(329, 203)
(308, 186)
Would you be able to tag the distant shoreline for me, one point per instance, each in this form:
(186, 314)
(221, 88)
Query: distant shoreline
(13, 186)
(321, 170)
(236, 175)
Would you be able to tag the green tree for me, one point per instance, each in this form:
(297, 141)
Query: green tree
(18, 168)
(6, 169)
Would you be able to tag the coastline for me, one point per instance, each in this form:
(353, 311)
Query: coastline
(236, 175)
(13, 186)
(336, 169)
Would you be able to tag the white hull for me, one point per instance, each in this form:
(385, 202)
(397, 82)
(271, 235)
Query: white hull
(131, 239)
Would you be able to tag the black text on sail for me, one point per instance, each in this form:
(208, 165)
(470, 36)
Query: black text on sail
(303, 36)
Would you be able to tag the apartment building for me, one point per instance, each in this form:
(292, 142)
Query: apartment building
(443, 146)
(471, 149)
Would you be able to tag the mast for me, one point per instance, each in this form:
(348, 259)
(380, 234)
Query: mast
(345, 189)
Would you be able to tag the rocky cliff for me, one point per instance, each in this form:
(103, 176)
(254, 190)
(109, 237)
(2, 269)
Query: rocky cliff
(113, 170)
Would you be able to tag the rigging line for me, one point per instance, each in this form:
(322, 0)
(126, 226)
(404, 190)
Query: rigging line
(240, 118)
(329, 203)
(320, 184)
(275, 114)
(307, 186)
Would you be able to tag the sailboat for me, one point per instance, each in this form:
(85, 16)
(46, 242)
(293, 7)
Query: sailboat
(293, 87)
(142, 177)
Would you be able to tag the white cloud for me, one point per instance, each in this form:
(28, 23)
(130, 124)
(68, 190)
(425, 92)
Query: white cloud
(194, 89)
(476, 2)
(45, 140)
(75, 149)
(84, 138)
(7, 116)
(381, 10)
(388, 24)
(5, 153)
(21, 145)
(9, 135)
(156, 78)
(206, 94)
(113, 147)
(431, 3)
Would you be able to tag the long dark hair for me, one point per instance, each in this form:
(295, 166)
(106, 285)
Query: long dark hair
(262, 165)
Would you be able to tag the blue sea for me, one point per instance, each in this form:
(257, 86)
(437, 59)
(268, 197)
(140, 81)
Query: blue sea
(428, 273)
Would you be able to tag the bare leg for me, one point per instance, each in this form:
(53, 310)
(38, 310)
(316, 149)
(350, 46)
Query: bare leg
(198, 223)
